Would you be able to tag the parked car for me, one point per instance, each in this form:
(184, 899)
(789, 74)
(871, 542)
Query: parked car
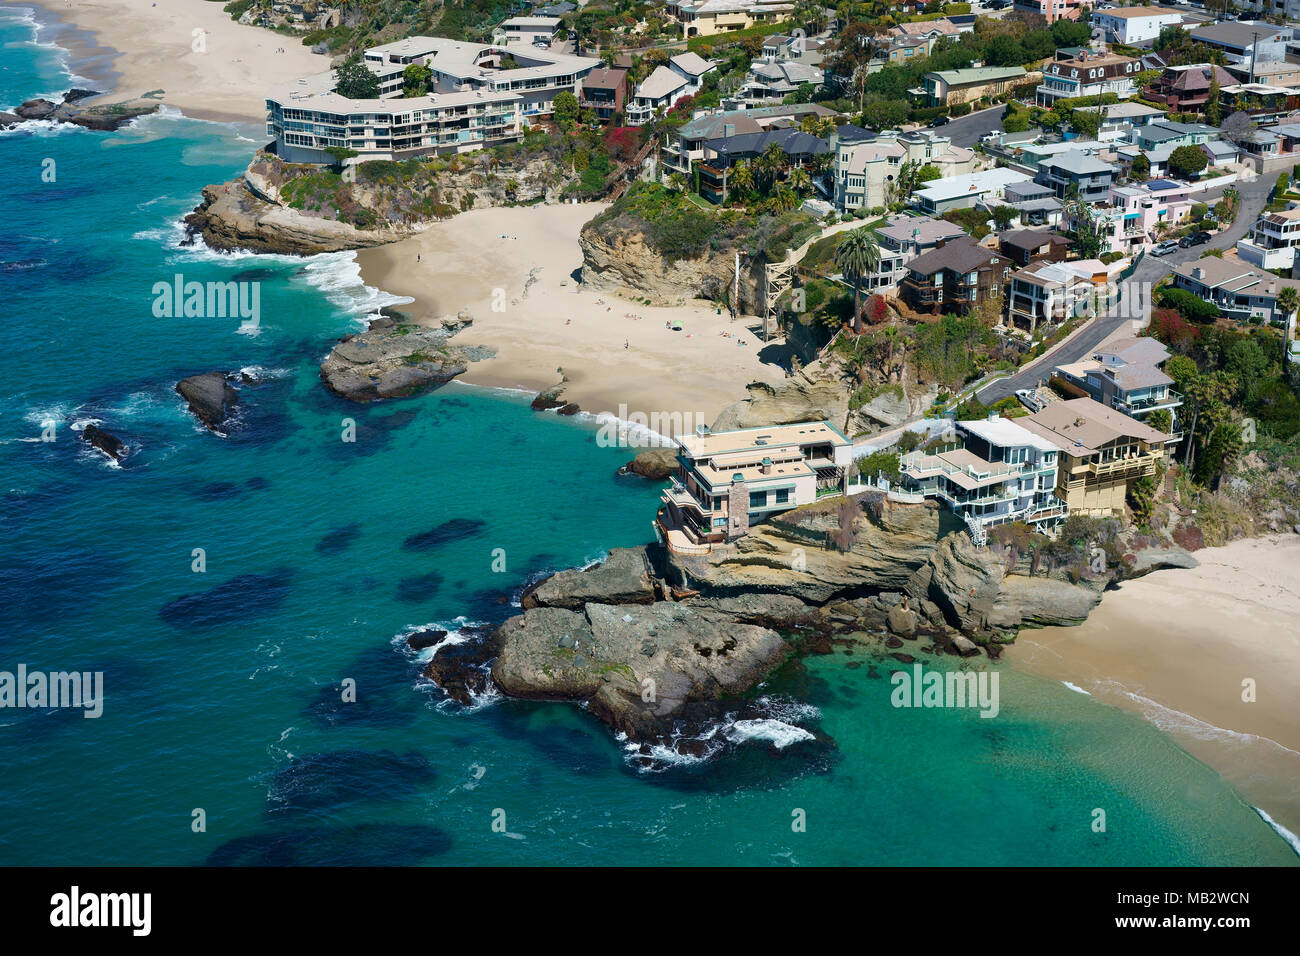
(941, 121)
(1027, 399)
(1195, 239)
(1164, 248)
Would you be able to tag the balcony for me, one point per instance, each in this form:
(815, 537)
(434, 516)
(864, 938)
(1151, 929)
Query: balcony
(1171, 400)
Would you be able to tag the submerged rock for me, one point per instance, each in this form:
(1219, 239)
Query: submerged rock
(105, 117)
(657, 464)
(110, 445)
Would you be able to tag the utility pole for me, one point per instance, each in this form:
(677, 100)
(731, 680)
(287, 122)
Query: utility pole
(735, 296)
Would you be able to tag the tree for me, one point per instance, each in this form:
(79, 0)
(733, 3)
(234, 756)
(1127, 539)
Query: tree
(566, 110)
(1141, 168)
(858, 256)
(1071, 33)
(741, 177)
(340, 155)
(1237, 126)
(1187, 161)
(1213, 111)
(1288, 301)
(928, 173)
(416, 79)
(1247, 366)
(1142, 499)
(1003, 217)
(354, 80)
(884, 114)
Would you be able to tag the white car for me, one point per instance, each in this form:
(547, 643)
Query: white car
(1164, 248)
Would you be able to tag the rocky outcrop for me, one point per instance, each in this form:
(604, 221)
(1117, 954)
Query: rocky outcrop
(623, 263)
(793, 555)
(552, 399)
(105, 118)
(976, 595)
(396, 360)
(657, 464)
(638, 668)
(210, 397)
(622, 578)
(805, 397)
(110, 445)
(233, 216)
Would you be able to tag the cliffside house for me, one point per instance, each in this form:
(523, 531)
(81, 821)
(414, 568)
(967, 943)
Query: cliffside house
(535, 30)
(604, 92)
(1273, 239)
(1034, 203)
(1087, 74)
(774, 80)
(946, 87)
(687, 144)
(1125, 375)
(683, 76)
(999, 473)
(1102, 452)
(801, 149)
(866, 165)
(727, 481)
(954, 277)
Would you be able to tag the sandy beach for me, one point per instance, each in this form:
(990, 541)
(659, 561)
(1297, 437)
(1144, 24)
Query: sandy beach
(513, 269)
(1176, 646)
(207, 65)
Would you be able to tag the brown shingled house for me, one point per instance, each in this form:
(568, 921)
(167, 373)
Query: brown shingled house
(604, 92)
(954, 277)
(1024, 246)
(1186, 89)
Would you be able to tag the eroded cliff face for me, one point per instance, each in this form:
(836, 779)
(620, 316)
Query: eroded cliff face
(623, 263)
(793, 554)
(806, 397)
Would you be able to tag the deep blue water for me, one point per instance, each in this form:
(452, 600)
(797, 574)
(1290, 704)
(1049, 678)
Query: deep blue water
(223, 687)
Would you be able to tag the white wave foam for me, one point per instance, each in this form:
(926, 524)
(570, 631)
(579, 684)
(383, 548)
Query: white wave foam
(338, 276)
(1175, 721)
(41, 128)
(630, 434)
(1282, 831)
(1076, 688)
(777, 732)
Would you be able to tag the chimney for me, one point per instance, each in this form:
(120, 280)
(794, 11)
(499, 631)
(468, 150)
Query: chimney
(1198, 272)
(766, 466)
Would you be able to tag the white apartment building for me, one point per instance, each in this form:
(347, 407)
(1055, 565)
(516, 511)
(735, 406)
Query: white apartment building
(482, 95)
(1273, 240)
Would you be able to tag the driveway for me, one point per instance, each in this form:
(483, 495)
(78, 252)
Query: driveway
(967, 130)
(1254, 196)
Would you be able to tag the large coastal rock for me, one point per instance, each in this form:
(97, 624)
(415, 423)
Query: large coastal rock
(105, 117)
(804, 397)
(210, 397)
(656, 464)
(637, 667)
(396, 360)
(622, 578)
(110, 445)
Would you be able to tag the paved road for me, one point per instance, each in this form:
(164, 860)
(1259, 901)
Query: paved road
(967, 130)
(1254, 196)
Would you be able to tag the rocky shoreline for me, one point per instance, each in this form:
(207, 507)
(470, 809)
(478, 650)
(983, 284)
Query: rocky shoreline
(659, 646)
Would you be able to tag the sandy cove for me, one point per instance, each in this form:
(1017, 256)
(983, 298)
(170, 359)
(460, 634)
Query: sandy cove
(152, 48)
(1175, 647)
(548, 322)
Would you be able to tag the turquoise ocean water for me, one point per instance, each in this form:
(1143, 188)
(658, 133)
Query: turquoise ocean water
(232, 704)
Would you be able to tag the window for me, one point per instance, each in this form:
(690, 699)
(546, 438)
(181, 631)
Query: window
(757, 499)
(783, 496)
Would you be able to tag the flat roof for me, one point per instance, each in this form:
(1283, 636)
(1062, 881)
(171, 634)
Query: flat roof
(1005, 433)
(766, 436)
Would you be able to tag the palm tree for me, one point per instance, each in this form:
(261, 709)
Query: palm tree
(858, 256)
(769, 166)
(742, 177)
(783, 200)
(799, 180)
(1289, 300)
